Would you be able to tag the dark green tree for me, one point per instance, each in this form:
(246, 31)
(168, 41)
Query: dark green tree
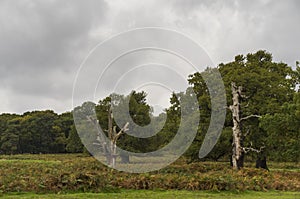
(283, 130)
(74, 144)
(10, 138)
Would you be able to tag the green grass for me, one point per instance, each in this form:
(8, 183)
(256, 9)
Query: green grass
(163, 194)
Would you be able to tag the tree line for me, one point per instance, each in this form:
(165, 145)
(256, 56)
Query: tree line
(269, 91)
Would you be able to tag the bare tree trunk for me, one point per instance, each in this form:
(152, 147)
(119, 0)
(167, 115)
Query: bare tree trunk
(109, 149)
(237, 150)
(113, 153)
(110, 136)
(114, 136)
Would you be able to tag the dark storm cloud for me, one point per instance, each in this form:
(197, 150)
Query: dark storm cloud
(45, 33)
(41, 42)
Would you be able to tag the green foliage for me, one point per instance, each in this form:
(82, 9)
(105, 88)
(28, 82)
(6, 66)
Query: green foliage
(284, 131)
(74, 144)
(265, 83)
(33, 132)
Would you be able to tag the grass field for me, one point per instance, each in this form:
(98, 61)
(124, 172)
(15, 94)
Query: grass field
(81, 176)
(133, 194)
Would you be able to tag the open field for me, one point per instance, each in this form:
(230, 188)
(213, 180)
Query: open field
(79, 176)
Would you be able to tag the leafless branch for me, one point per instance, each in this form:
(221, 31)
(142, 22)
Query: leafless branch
(249, 116)
(122, 131)
(247, 149)
(246, 106)
(247, 133)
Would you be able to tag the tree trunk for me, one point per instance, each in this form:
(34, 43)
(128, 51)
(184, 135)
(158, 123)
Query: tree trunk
(113, 153)
(114, 136)
(109, 149)
(261, 162)
(237, 150)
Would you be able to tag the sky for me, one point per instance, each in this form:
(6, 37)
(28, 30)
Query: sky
(43, 44)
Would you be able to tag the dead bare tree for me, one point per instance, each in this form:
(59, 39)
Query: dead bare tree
(114, 136)
(109, 149)
(238, 149)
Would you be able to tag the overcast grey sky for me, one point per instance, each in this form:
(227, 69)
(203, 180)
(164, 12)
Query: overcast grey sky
(43, 43)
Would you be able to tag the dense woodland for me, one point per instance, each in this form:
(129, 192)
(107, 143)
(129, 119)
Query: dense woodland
(270, 90)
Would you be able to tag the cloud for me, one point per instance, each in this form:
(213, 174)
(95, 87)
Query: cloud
(42, 45)
(228, 28)
(44, 42)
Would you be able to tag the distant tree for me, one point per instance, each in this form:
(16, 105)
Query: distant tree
(74, 144)
(84, 131)
(203, 93)
(43, 132)
(10, 137)
(66, 122)
(139, 112)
